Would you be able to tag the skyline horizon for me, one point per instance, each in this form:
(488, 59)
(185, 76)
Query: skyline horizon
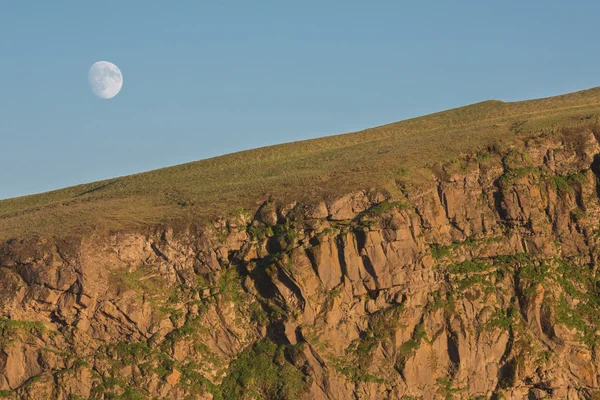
(297, 141)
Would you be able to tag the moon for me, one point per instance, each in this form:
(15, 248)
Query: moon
(105, 79)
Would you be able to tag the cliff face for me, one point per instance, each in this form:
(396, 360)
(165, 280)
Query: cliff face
(480, 282)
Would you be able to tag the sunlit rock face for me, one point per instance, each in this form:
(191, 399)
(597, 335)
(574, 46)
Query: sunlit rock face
(477, 283)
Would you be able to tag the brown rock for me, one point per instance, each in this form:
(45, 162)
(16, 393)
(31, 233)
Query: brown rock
(173, 377)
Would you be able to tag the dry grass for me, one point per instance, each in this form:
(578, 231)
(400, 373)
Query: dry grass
(309, 169)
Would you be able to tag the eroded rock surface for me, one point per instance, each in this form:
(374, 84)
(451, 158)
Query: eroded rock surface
(481, 282)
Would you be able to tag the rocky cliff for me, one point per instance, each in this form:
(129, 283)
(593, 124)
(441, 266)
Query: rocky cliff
(478, 282)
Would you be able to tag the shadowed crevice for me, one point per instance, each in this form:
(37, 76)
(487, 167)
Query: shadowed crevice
(340, 243)
(595, 167)
(158, 252)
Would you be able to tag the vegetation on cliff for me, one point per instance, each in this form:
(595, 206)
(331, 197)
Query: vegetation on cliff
(461, 274)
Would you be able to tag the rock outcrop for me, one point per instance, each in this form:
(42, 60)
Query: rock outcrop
(479, 282)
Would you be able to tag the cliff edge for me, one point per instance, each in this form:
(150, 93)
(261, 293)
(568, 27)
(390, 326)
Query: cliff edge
(474, 279)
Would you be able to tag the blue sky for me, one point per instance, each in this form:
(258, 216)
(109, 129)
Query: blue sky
(207, 78)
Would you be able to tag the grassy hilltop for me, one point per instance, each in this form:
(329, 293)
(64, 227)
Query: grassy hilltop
(317, 168)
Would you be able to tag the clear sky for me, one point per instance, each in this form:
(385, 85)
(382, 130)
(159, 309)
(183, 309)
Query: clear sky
(206, 78)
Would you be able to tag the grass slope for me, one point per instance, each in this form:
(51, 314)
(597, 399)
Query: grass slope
(308, 169)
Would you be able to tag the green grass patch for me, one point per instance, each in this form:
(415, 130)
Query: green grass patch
(11, 328)
(229, 285)
(501, 319)
(258, 314)
(382, 325)
(408, 348)
(511, 176)
(286, 234)
(560, 184)
(582, 286)
(353, 372)
(438, 252)
(445, 302)
(446, 388)
(263, 372)
(386, 206)
(259, 232)
(469, 266)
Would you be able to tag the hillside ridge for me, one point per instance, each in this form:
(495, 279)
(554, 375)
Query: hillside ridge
(214, 187)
